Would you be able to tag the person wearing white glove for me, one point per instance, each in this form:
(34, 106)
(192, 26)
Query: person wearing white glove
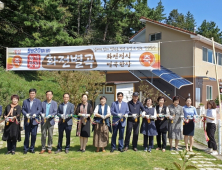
(148, 127)
(32, 106)
(133, 123)
(162, 123)
(119, 124)
(66, 108)
(83, 130)
(101, 113)
(126, 115)
(49, 108)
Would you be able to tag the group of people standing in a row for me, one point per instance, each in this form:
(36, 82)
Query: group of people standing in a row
(156, 121)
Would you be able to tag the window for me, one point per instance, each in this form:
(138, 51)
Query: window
(219, 59)
(154, 37)
(204, 54)
(208, 55)
(209, 93)
(109, 89)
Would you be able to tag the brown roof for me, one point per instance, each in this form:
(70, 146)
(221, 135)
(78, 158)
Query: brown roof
(165, 25)
(121, 82)
(137, 32)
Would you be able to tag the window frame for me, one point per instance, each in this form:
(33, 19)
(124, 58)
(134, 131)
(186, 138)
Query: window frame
(211, 92)
(108, 92)
(155, 36)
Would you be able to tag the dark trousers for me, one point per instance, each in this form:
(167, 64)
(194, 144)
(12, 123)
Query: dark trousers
(33, 130)
(164, 139)
(67, 128)
(211, 129)
(135, 126)
(121, 133)
(145, 141)
(11, 145)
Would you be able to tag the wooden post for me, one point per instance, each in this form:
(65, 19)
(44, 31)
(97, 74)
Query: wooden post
(218, 85)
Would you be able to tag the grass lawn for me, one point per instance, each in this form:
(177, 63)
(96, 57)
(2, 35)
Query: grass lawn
(90, 159)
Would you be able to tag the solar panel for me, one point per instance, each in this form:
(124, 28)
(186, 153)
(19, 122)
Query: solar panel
(171, 77)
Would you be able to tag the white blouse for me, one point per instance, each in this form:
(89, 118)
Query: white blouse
(96, 111)
(211, 113)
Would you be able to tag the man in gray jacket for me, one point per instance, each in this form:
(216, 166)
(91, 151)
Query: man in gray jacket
(65, 113)
(49, 110)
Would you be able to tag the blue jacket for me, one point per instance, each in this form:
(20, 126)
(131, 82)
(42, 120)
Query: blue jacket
(36, 109)
(0, 110)
(52, 111)
(115, 111)
(69, 111)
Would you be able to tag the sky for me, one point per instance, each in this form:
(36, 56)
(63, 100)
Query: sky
(211, 10)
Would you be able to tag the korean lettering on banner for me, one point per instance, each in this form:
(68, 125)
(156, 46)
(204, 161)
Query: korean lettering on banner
(33, 61)
(118, 58)
(84, 59)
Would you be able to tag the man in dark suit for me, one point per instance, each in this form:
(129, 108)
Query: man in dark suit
(31, 109)
(49, 110)
(65, 113)
(118, 109)
(135, 106)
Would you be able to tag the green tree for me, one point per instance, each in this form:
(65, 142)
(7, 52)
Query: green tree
(176, 19)
(190, 22)
(210, 29)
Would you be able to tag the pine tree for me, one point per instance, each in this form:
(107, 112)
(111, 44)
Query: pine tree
(209, 30)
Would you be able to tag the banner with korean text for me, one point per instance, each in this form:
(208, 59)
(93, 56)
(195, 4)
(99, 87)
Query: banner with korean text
(144, 56)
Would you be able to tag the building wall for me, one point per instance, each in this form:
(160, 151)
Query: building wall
(175, 54)
(201, 66)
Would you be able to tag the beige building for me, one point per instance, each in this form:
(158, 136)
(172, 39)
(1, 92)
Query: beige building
(185, 55)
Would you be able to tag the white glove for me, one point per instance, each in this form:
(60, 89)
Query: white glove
(28, 116)
(143, 114)
(34, 115)
(151, 117)
(63, 116)
(119, 115)
(126, 115)
(48, 116)
(147, 116)
(160, 115)
(83, 115)
(102, 116)
(134, 116)
(171, 117)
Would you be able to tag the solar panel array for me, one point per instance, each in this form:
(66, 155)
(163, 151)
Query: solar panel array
(171, 77)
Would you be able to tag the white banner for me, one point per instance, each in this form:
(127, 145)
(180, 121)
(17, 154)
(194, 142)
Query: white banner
(143, 56)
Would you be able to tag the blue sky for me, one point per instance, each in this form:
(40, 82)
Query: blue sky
(201, 9)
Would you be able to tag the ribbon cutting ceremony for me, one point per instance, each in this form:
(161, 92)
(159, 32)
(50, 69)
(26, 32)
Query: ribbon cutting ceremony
(110, 84)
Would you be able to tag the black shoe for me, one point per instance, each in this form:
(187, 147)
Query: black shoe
(112, 150)
(57, 151)
(80, 150)
(135, 149)
(25, 152)
(7, 153)
(83, 150)
(121, 150)
(13, 153)
(32, 151)
(66, 151)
